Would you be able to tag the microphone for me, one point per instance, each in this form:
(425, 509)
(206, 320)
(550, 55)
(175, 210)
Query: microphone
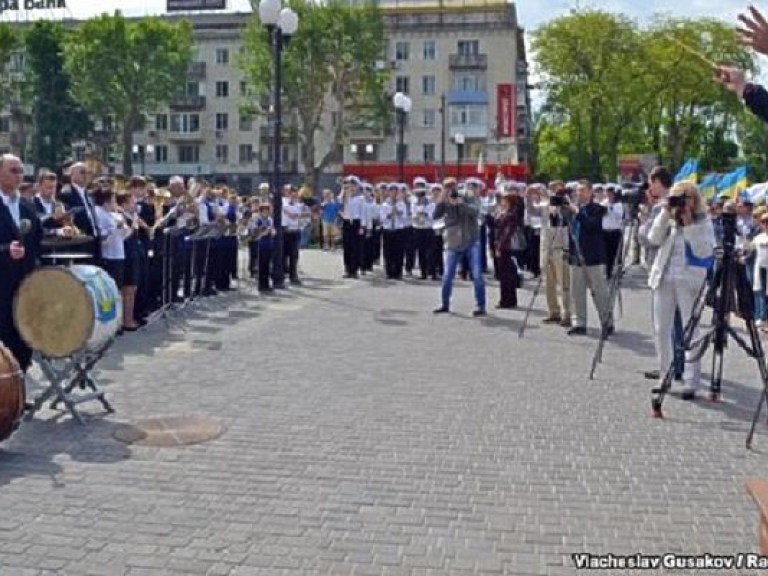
(25, 227)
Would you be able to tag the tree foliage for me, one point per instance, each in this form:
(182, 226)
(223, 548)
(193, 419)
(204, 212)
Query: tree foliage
(613, 87)
(58, 119)
(330, 66)
(126, 69)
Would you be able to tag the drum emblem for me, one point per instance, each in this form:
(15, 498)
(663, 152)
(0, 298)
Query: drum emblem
(105, 301)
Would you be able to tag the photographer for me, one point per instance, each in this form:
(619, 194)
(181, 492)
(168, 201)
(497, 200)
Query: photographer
(613, 226)
(461, 238)
(587, 261)
(684, 237)
(554, 245)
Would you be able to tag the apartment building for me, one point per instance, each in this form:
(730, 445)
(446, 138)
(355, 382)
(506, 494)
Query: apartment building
(468, 55)
(463, 65)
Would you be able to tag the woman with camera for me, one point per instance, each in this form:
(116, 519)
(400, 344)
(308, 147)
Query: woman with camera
(685, 237)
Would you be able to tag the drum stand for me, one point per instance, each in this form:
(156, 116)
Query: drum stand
(64, 375)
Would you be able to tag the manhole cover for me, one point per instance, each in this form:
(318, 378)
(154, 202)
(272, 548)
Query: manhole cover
(170, 431)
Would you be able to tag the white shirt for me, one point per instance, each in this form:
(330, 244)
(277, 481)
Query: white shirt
(370, 213)
(614, 216)
(112, 237)
(12, 203)
(393, 218)
(355, 208)
(48, 205)
(202, 211)
(422, 215)
(293, 214)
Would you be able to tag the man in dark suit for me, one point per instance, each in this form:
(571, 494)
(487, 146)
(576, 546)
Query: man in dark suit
(77, 202)
(20, 236)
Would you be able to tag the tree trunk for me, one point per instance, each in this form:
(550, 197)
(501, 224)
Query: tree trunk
(127, 141)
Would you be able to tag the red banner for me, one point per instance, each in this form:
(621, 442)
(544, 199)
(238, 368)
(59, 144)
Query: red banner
(505, 110)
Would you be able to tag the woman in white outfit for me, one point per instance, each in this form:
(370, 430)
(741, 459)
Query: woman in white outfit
(686, 240)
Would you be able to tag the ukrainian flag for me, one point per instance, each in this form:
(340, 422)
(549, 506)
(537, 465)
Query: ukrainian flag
(708, 186)
(732, 183)
(689, 172)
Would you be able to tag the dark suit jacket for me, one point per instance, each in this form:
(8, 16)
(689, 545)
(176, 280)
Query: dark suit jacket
(12, 272)
(74, 204)
(587, 229)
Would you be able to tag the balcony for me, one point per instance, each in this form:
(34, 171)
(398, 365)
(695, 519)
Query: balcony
(468, 61)
(467, 97)
(188, 103)
(470, 131)
(197, 71)
(186, 136)
(165, 169)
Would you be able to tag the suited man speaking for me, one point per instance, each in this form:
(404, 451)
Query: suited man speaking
(76, 200)
(20, 236)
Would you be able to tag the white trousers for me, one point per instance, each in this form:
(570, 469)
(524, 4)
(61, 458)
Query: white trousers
(675, 293)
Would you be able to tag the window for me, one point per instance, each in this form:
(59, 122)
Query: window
(430, 50)
(189, 154)
(428, 85)
(185, 123)
(246, 153)
(469, 82)
(222, 121)
(334, 119)
(222, 89)
(161, 122)
(246, 123)
(222, 56)
(161, 154)
(404, 150)
(193, 89)
(402, 84)
(428, 119)
(5, 124)
(469, 47)
(243, 88)
(222, 153)
(429, 153)
(17, 61)
(469, 114)
(402, 50)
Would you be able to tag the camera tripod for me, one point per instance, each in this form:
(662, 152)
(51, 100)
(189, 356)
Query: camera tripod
(728, 291)
(614, 289)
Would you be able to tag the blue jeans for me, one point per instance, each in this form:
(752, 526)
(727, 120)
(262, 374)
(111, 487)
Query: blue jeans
(452, 258)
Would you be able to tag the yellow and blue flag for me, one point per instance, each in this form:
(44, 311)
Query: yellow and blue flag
(689, 172)
(708, 186)
(732, 183)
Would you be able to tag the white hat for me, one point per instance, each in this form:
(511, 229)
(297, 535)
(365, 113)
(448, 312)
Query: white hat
(352, 180)
(475, 182)
(176, 181)
(263, 186)
(419, 182)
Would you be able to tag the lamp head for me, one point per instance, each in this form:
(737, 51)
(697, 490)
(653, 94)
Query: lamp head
(288, 21)
(269, 12)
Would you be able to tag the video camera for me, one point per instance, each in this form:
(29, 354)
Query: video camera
(559, 200)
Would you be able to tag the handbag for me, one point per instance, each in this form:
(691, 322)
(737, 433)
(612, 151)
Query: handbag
(518, 242)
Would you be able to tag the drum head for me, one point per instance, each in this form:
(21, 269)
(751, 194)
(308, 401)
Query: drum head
(11, 393)
(53, 312)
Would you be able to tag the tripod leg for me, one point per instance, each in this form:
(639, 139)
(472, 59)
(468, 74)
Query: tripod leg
(717, 375)
(521, 332)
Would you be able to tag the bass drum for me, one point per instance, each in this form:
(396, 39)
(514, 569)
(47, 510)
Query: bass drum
(62, 311)
(11, 393)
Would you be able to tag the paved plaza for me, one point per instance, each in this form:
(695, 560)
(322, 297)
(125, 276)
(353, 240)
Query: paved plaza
(363, 436)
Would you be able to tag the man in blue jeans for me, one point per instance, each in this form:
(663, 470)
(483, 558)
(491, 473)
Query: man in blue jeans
(461, 237)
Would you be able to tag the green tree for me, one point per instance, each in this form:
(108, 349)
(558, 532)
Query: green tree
(753, 137)
(58, 119)
(126, 69)
(330, 66)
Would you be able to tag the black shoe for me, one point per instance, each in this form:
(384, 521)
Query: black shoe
(351, 276)
(477, 313)
(178, 300)
(441, 310)
(296, 281)
(506, 306)
(652, 375)
(266, 289)
(577, 331)
(688, 395)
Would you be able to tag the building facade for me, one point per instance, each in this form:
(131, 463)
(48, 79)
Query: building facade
(463, 65)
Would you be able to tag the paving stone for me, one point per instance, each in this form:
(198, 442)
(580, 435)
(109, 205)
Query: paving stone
(362, 435)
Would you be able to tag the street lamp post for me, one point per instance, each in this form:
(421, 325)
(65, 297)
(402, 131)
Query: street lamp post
(281, 23)
(402, 107)
(459, 139)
